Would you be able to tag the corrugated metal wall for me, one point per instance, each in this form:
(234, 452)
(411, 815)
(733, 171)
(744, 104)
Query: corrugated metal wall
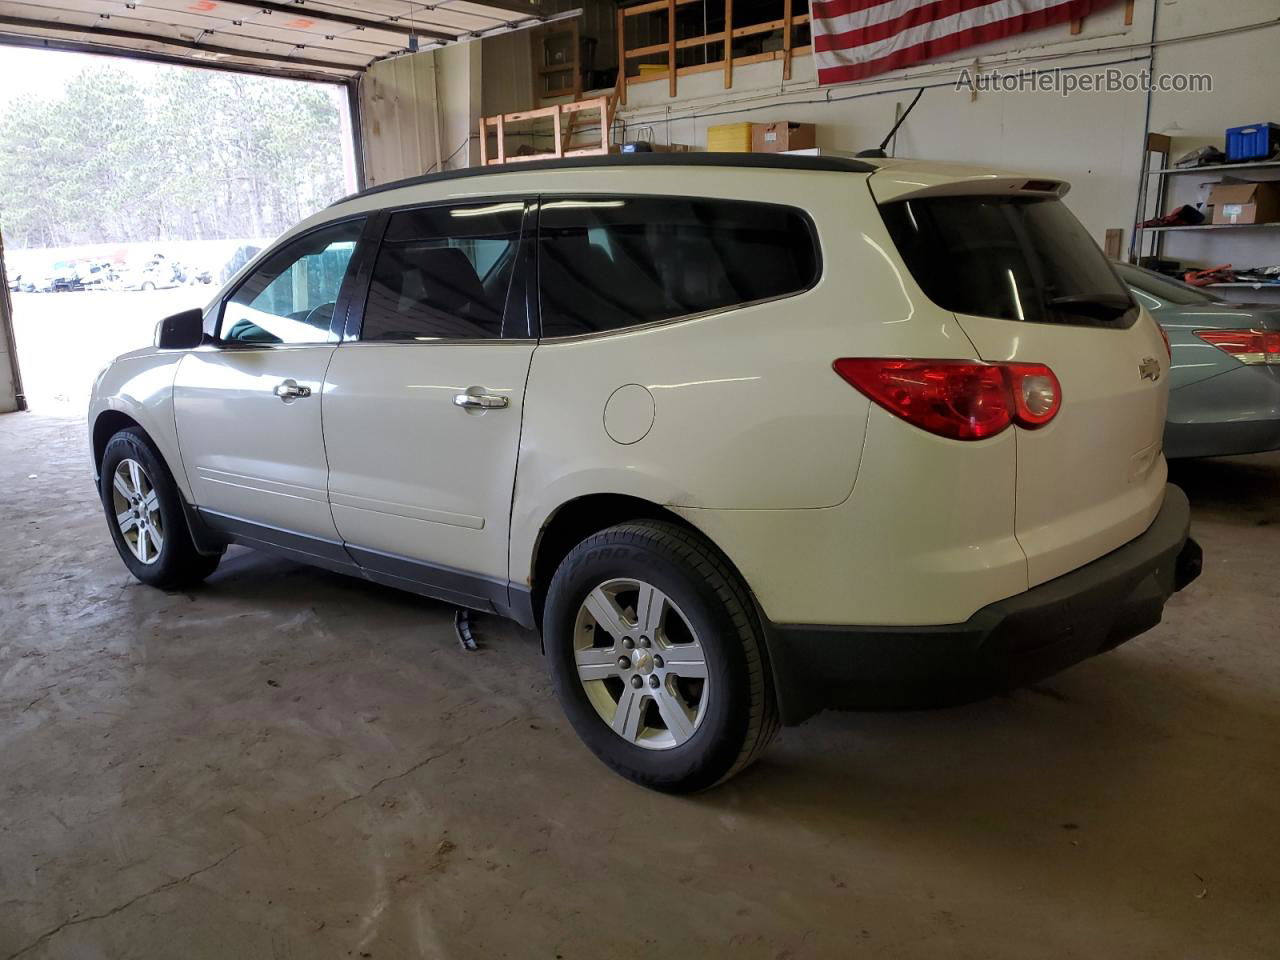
(396, 118)
(399, 101)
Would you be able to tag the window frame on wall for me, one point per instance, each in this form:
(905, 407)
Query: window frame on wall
(346, 287)
(519, 320)
(801, 214)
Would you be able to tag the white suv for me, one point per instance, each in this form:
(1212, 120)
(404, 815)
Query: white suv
(743, 436)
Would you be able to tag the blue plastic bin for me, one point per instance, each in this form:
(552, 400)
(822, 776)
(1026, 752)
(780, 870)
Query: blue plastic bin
(1258, 141)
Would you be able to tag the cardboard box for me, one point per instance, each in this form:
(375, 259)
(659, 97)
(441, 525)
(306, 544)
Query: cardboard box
(780, 137)
(1245, 203)
(729, 138)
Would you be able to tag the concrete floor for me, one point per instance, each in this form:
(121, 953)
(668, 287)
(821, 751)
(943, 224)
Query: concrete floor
(286, 763)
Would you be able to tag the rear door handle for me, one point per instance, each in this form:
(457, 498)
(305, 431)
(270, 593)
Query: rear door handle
(290, 390)
(480, 401)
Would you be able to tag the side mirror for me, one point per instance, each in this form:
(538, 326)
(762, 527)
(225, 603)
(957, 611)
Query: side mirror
(182, 331)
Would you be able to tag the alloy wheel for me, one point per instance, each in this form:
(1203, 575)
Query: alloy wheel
(137, 509)
(641, 664)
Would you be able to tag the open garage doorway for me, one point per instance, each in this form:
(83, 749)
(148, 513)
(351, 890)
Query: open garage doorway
(130, 190)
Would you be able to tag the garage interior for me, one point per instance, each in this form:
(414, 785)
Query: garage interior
(288, 762)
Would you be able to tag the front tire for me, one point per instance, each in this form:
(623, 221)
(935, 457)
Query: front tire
(145, 515)
(657, 657)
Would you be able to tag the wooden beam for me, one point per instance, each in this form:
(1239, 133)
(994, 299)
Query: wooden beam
(519, 115)
(1077, 25)
(671, 47)
(502, 141)
(653, 7)
(537, 62)
(728, 44)
(591, 104)
(648, 51)
(717, 38)
(718, 65)
(622, 57)
(577, 60)
(1128, 13)
(786, 39)
(606, 118)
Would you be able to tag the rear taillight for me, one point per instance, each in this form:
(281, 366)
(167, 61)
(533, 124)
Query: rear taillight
(960, 399)
(1247, 346)
(1168, 347)
(1037, 395)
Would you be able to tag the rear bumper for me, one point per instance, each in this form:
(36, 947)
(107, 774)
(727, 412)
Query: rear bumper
(1008, 643)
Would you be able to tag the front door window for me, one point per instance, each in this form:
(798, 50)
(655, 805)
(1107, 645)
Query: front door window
(292, 296)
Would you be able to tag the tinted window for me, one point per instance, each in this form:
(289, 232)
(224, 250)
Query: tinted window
(291, 297)
(608, 263)
(1164, 288)
(444, 272)
(1014, 258)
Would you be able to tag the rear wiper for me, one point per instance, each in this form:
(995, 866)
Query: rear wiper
(1103, 305)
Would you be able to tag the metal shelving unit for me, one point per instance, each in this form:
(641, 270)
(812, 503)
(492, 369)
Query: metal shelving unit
(1213, 226)
(1256, 165)
(1155, 200)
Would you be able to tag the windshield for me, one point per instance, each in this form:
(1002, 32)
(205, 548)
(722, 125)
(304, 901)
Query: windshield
(1164, 288)
(1013, 258)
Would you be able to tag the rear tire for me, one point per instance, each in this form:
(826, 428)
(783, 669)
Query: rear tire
(145, 515)
(693, 705)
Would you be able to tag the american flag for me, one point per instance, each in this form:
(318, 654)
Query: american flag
(854, 39)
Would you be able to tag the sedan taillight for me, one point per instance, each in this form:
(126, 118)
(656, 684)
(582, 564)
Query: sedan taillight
(959, 399)
(1247, 346)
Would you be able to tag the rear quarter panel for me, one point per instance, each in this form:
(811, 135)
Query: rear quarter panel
(747, 412)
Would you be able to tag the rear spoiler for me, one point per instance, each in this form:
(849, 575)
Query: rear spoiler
(889, 185)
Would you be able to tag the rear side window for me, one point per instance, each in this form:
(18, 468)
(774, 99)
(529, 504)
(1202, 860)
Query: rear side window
(606, 263)
(1013, 258)
(444, 273)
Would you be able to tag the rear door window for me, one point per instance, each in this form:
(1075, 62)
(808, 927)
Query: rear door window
(607, 263)
(1012, 258)
(445, 273)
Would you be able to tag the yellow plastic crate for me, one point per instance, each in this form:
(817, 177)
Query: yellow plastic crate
(729, 138)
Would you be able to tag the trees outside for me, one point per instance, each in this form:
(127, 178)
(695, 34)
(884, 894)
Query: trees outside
(189, 155)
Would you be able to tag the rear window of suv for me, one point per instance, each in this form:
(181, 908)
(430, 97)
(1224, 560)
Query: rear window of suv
(1013, 258)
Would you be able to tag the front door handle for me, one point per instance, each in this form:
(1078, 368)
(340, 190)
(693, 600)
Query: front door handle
(290, 390)
(479, 401)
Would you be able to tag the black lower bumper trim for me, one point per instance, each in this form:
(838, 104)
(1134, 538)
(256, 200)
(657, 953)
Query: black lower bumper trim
(1005, 644)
